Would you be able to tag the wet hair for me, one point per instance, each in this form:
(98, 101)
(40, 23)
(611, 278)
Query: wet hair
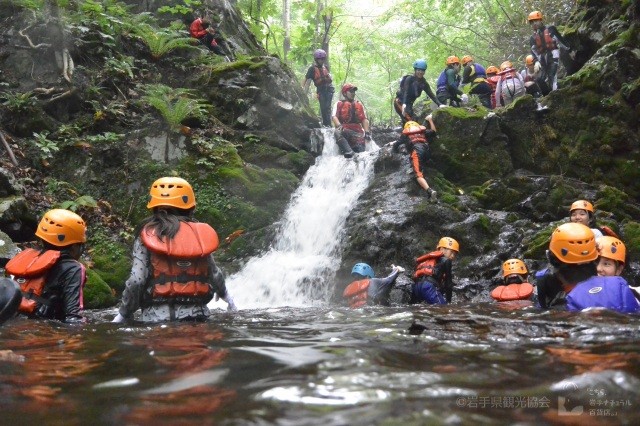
(514, 279)
(574, 274)
(165, 221)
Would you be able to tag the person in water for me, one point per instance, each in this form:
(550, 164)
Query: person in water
(612, 256)
(515, 285)
(572, 254)
(582, 211)
(366, 289)
(173, 275)
(51, 277)
(433, 278)
(10, 298)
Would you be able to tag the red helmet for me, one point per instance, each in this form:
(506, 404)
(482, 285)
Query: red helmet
(348, 87)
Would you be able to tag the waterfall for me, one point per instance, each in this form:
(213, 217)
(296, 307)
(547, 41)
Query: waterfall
(299, 268)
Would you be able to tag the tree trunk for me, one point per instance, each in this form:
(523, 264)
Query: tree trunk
(286, 23)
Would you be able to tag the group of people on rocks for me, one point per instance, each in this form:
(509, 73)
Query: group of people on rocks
(585, 267)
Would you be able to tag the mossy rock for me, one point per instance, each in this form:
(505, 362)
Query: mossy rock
(97, 293)
(535, 247)
(631, 232)
(111, 259)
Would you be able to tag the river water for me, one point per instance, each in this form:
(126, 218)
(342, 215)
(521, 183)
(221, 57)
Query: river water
(290, 358)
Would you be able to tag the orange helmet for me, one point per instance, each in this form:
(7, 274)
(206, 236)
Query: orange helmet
(581, 205)
(466, 59)
(612, 248)
(61, 228)
(171, 192)
(535, 16)
(448, 242)
(492, 69)
(411, 127)
(505, 65)
(348, 87)
(573, 243)
(514, 266)
(453, 60)
(529, 60)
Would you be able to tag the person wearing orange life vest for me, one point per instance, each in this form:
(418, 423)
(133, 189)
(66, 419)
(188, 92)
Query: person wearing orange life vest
(415, 139)
(366, 289)
(318, 73)
(51, 278)
(515, 285)
(492, 80)
(433, 278)
(510, 85)
(350, 120)
(411, 87)
(534, 78)
(173, 275)
(546, 43)
(475, 74)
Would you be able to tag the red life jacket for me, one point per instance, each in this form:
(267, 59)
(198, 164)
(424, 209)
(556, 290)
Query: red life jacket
(426, 264)
(321, 76)
(608, 231)
(180, 266)
(30, 268)
(549, 43)
(350, 112)
(505, 293)
(356, 293)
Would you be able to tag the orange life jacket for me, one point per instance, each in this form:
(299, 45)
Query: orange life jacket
(610, 232)
(30, 268)
(549, 43)
(321, 76)
(504, 293)
(180, 266)
(356, 293)
(350, 112)
(426, 264)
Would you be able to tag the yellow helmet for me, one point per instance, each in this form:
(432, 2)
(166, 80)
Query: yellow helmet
(581, 205)
(612, 248)
(466, 59)
(505, 65)
(492, 69)
(529, 60)
(411, 127)
(61, 228)
(448, 242)
(514, 266)
(573, 243)
(171, 192)
(535, 16)
(453, 60)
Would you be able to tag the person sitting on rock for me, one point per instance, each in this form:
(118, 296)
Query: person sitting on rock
(202, 29)
(475, 75)
(366, 289)
(533, 76)
(350, 120)
(572, 254)
(510, 85)
(433, 277)
(447, 86)
(515, 282)
(415, 140)
(173, 275)
(51, 278)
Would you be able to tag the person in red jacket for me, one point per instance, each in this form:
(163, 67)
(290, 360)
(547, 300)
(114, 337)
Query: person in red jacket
(202, 29)
(350, 120)
(173, 275)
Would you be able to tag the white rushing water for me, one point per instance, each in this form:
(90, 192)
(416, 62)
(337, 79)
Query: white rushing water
(299, 268)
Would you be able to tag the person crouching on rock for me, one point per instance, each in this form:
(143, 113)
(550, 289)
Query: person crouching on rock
(51, 278)
(366, 289)
(173, 275)
(433, 278)
(350, 120)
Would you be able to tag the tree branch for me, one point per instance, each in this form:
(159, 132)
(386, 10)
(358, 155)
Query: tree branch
(9, 150)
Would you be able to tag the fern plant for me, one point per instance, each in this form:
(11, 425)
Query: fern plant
(161, 42)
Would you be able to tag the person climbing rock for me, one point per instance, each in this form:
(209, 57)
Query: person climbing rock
(515, 285)
(534, 78)
(411, 87)
(350, 120)
(510, 84)
(447, 86)
(475, 75)
(202, 29)
(546, 43)
(319, 74)
(415, 141)
(433, 277)
(572, 254)
(51, 278)
(173, 275)
(366, 289)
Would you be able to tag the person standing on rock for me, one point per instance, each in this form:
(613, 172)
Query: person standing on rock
(546, 43)
(433, 278)
(447, 86)
(350, 120)
(173, 275)
(411, 87)
(366, 289)
(319, 74)
(51, 278)
(510, 84)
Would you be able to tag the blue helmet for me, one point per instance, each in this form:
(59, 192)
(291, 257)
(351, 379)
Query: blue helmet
(420, 64)
(363, 269)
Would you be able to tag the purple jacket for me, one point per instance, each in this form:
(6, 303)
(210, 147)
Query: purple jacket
(603, 292)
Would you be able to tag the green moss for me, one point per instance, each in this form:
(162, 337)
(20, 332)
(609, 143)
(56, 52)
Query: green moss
(243, 63)
(631, 232)
(111, 259)
(611, 199)
(535, 247)
(97, 293)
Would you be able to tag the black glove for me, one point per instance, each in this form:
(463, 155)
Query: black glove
(367, 136)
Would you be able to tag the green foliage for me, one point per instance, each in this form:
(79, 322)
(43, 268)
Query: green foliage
(19, 102)
(46, 146)
(97, 293)
(120, 67)
(175, 105)
(631, 235)
(185, 8)
(84, 201)
(107, 137)
(161, 42)
(216, 151)
(111, 258)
